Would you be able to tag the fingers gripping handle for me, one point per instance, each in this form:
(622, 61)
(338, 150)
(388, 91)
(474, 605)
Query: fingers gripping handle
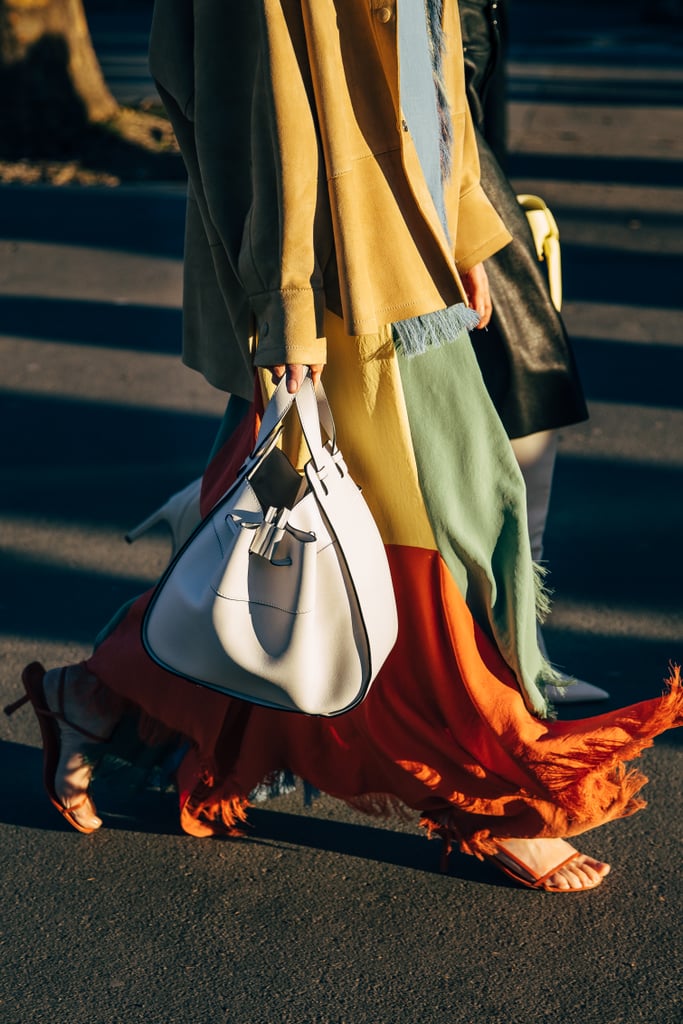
(313, 410)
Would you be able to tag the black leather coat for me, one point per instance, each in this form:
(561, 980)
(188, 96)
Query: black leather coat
(525, 356)
(485, 36)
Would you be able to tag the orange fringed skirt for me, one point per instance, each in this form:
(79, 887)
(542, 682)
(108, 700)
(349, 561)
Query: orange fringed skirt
(446, 729)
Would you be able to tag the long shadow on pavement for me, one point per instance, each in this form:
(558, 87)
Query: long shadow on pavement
(111, 325)
(151, 812)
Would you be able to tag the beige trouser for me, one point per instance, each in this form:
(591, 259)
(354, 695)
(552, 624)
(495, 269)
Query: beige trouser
(535, 454)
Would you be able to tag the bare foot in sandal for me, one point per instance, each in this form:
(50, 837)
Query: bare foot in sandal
(81, 726)
(550, 864)
(70, 720)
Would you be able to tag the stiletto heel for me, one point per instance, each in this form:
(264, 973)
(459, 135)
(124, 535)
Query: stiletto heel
(54, 729)
(9, 709)
(180, 513)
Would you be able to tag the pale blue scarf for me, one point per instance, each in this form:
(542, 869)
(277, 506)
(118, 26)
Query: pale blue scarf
(424, 107)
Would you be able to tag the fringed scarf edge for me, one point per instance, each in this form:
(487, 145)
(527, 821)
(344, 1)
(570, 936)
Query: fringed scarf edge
(417, 335)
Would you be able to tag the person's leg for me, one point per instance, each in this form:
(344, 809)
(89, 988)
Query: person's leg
(76, 716)
(536, 455)
(181, 512)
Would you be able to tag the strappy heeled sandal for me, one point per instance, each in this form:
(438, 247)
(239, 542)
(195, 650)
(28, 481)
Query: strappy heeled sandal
(51, 732)
(527, 876)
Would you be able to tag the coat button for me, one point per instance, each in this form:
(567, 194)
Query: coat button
(384, 14)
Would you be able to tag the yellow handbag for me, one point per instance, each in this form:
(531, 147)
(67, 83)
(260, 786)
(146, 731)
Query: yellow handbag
(546, 237)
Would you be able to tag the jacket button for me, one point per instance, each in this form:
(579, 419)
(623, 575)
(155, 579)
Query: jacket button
(384, 14)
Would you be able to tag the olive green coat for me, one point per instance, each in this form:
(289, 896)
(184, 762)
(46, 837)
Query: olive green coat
(305, 187)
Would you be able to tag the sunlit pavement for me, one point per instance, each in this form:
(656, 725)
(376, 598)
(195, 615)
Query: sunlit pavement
(321, 915)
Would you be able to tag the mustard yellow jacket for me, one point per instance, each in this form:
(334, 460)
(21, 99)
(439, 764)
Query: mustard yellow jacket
(305, 190)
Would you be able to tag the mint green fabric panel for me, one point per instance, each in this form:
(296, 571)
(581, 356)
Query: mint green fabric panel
(475, 499)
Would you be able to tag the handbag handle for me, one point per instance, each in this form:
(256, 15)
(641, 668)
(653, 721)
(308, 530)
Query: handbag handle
(314, 413)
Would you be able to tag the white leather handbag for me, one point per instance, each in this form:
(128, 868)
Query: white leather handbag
(282, 596)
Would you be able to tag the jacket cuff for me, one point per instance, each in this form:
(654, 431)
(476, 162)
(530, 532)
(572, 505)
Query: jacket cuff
(478, 220)
(290, 327)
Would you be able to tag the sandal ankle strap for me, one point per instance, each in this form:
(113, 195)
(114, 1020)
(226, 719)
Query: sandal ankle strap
(60, 713)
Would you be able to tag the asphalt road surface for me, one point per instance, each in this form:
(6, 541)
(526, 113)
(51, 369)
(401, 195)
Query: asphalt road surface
(319, 915)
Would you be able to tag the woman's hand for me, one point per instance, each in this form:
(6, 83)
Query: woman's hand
(295, 374)
(476, 284)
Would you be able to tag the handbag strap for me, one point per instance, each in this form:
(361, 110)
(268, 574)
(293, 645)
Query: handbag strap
(314, 413)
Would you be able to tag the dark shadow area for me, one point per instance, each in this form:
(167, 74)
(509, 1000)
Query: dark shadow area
(110, 499)
(613, 543)
(364, 841)
(40, 111)
(93, 8)
(47, 114)
(669, 223)
(140, 221)
(128, 327)
(105, 148)
(593, 274)
(631, 668)
(537, 22)
(121, 805)
(127, 809)
(61, 603)
(647, 374)
(611, 170)
(48, 431)
(617, 92)
(25, 806)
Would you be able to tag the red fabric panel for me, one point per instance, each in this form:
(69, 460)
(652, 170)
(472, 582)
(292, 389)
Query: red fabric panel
(444, 730)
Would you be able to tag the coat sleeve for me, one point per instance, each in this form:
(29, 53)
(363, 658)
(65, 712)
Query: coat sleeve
(287, 239)
(481, 232)
(237, 77)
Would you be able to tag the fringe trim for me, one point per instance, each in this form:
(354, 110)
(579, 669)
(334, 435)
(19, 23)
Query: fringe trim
(580, 796)
(437, 49)
(415, 336)
(548, 674)
(205, 812)
(380, 805)
(213, 815)
(604, 762)
(452, 828)
(544, 593)
(571, 796)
